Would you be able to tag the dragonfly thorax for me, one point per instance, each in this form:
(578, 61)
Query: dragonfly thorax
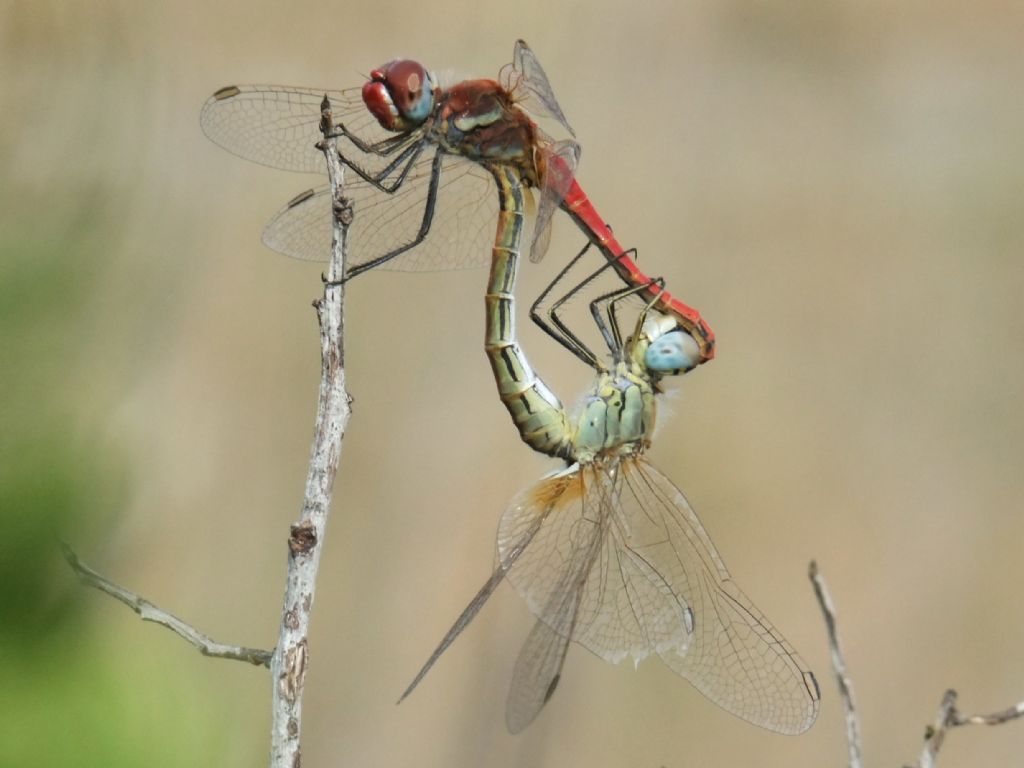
(479, 120)
(617, 417)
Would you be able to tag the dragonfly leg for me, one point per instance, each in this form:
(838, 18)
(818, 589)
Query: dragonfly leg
(408, 157)
(603, 310)
(562, 335)
(561, 324)
(428, 217)
(642, 317)
(609, 328)
(555, 320)
(382, 148)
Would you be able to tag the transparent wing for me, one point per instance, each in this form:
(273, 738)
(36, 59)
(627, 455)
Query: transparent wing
(622, 565)
(461, 229)
(540, 499)
(526, 80)
(538, 669)
(577, 578)
(579, 605)
(561, 160)
(539, 664)
(736, 657)
(279, 126)
(465, 618)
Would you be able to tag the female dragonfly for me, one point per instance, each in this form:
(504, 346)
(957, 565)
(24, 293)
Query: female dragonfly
(422, 154)
(607, 551)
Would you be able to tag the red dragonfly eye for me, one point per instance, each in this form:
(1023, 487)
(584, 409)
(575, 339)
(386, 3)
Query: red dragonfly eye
(400, 94)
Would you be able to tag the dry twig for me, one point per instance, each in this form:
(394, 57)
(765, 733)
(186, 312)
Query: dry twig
(288, 667)
(150, 612)
(947, 718)
(843, 681)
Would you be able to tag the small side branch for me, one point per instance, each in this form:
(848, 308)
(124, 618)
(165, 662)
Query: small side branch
(949, 717)
(843, 681)
(996, 718)
(149, 612)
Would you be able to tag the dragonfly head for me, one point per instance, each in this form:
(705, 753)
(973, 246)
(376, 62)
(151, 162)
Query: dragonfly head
(400, 94)
(664, 348)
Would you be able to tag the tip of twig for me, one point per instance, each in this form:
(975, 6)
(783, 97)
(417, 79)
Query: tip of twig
(812, 570)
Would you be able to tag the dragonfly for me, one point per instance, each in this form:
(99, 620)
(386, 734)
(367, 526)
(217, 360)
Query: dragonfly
(423, 154)
(607, 552)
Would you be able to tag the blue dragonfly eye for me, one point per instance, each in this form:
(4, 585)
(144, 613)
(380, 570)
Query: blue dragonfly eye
(674, 352)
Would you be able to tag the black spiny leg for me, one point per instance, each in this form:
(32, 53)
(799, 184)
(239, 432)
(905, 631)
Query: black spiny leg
(428, 217)
(607, 321)
(563, 335)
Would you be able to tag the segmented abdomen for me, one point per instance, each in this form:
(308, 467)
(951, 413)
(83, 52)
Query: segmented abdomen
(537, 413)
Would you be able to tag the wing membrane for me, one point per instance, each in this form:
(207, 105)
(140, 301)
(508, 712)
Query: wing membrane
(462, 228)
(560, 166)
(526, 79)
(279, 126)
(624, 606)
(623, 566)
(538, 669)
(540, 501)
(736, 657)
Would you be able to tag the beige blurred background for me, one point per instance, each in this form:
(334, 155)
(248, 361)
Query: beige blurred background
(836, 185)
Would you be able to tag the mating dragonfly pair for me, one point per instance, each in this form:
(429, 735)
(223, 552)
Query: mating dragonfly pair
(606, 551)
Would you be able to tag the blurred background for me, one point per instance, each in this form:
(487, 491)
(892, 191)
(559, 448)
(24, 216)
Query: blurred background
(835, 185)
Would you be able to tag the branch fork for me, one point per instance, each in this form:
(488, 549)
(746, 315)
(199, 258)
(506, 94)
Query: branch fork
(948, 717)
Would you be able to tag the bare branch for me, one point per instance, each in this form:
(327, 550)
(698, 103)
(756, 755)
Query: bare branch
(149, 612)
(949, 717)
(936, 734)
(996, 718)
(288, 667)
(843, 681)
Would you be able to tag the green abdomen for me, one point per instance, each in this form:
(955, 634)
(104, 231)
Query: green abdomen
(536, 412)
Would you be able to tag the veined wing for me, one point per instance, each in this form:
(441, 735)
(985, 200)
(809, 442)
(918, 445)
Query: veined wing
(461, 229)
(577, 578)
(539, 664)
(561, 160)
(279, 126)
(736, 657)
(542, 499)
(526, 80)
(581, 603)
(653, 582)
(539, 667)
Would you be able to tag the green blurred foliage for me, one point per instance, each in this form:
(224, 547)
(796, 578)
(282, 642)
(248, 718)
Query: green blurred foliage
(53, 473)
(77, 691)
(70, 695)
